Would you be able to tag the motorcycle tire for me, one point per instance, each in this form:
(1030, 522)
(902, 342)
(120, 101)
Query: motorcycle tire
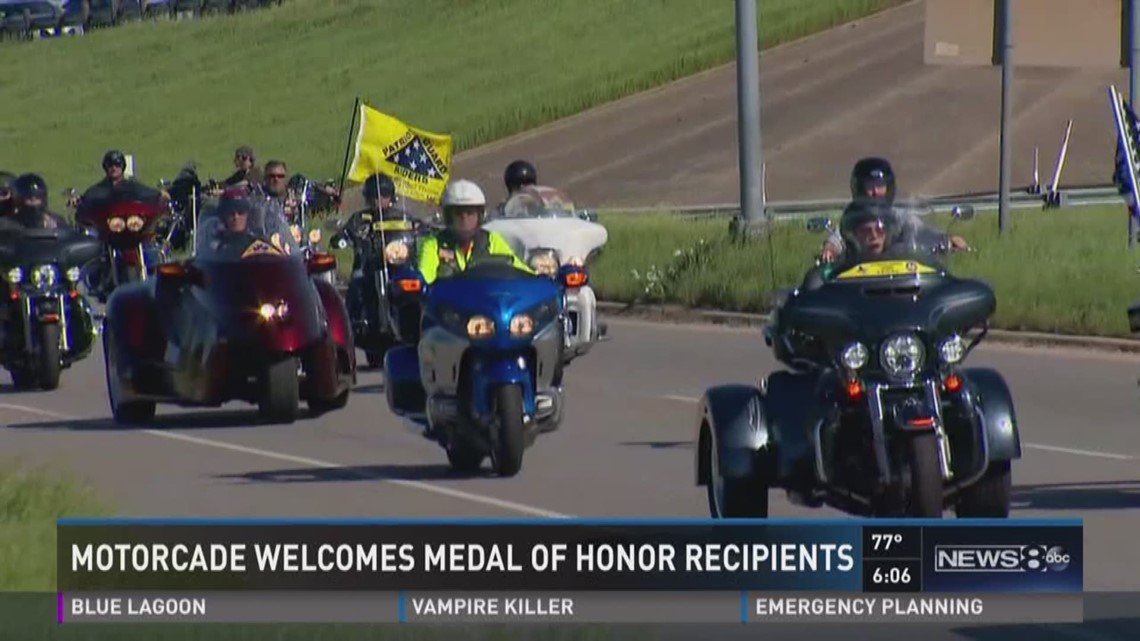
(279, 399)
(732, 498)
(130, 413)
(925, 495)
(990, 497)
(510, 442)
(48, 362)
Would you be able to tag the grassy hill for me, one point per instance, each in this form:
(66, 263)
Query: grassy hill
(283, 79)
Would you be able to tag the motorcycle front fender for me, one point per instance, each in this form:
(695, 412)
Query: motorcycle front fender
(493, 370)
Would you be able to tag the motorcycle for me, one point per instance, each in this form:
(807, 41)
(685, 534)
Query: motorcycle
(241, 320)
(383, 317)
(543, 226)
(299, 197)
(186, 193)
(486, 376)
(47, 324)
(125, 226)
(874, 414)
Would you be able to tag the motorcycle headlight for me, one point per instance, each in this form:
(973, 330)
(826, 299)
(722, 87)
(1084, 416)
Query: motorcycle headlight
(544, 262)
(270, 311)
(135, 223)
(855, 356)
(73, 275)
(902, 355)
(396, 253)
(296, 231)
(116, 224)
(44, 276)
(15, 275)
(522, 325)
(952, 350)
(480, 327)
(314, 236)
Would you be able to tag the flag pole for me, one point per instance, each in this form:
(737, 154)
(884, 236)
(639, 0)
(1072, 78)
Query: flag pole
(348, 147)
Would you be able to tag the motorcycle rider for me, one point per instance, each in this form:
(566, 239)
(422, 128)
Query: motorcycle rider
(380, 198)
(247, 173)
(115, 182)
(448, 252)
(518, 174)
(872, 181)
(30, 193)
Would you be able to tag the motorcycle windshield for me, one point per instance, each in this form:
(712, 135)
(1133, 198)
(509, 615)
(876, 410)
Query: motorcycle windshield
(257, 281)
(540, 220)
(31, 247)
(891, 279)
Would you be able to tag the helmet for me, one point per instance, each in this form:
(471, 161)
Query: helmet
(114, 158)
(379, 185)
(30, 186)
(870, 172)
(519, 173)
(463, 193)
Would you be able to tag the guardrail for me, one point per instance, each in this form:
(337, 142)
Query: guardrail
(1020, 199)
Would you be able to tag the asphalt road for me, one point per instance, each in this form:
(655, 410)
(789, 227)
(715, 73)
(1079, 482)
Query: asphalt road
(625, 448)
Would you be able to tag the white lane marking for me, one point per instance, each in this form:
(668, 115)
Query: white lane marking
(683, 399)
(289, 458)
(1032, 446)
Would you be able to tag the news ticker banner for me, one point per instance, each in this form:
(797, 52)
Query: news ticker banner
(862, 556)
(560, 607)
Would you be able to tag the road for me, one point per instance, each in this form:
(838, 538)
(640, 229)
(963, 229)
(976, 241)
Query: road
(624, 451)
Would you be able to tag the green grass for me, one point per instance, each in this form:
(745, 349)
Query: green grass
(283, 79)
(1064, 271)
(30, 503)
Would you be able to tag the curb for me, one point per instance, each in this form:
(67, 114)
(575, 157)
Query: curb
(679, 314)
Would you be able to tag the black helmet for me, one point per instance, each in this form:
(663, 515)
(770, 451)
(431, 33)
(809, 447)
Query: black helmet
(520, 173)
(114, 158)
(869, 172)
(30, 186)
(379, 186)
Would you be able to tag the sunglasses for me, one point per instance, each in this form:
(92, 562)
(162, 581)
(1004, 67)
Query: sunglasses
(276, 176)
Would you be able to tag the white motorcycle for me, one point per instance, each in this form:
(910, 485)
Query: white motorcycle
(544, 227)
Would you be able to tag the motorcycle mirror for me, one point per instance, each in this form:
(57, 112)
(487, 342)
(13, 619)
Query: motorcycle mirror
(588, 215)
(963, 212)
(820, 224)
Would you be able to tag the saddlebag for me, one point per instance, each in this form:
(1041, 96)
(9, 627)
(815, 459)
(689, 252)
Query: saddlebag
(402, 384)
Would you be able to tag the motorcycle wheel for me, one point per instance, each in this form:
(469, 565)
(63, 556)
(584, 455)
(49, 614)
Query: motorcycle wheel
(925, 497)
(132, 413)
(733, 498)
(990, 497)
(279, 400)
(507, 454)
(48, 364)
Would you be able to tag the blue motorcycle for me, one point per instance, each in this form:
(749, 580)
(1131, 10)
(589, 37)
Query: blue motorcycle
(486, 376)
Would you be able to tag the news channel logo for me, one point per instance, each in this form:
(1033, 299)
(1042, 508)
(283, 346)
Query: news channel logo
(1000, 558)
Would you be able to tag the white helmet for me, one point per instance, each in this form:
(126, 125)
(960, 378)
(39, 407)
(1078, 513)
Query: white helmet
(463, 193)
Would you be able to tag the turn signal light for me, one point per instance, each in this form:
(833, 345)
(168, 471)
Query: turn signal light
(410, 285)
(854, 389)
(953, 383)
(575, 278)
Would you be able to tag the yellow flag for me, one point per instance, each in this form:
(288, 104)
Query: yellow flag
(418, 161)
